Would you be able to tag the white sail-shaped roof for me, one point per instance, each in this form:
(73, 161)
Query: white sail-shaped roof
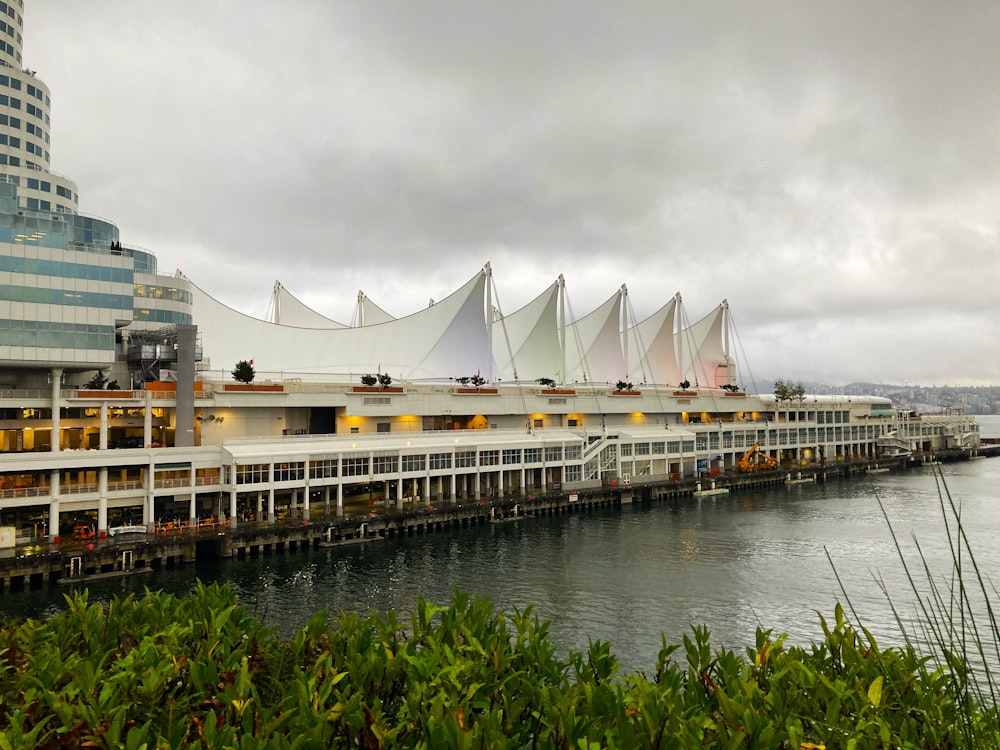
(446, 340)
(594, 345)
(703, 351)
(652, 350)
(370, 314)
(528, 339)
(291, 311)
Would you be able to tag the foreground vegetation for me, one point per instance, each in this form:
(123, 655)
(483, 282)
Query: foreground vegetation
(202, 671)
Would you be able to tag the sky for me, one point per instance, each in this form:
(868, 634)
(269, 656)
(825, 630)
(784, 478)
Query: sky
(830, 169)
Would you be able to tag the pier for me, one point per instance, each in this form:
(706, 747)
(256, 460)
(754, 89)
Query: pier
(76, 563)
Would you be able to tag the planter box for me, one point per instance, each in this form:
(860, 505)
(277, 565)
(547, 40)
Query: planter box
(104, 394)
(487, 391)
(248, 387)
(558, 392)
(685, 393)
(376, 389)
(626, 393)
(730, 394)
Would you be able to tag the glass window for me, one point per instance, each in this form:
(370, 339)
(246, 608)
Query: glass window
(414, 463)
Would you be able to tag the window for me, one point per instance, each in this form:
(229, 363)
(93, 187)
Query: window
(356, 467)
(288, 472)
(553, 455)
(574, 452)
(384, 464)
(465, 459)
(626, 449)
(659, 448)
(532, 455)
(440, 461)
(512, 455)
(324, 468)
(489, 458)
(414, 463)
(383, 426)
(252, 474)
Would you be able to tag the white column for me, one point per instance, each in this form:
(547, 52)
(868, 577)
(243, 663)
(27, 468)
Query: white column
(326, 500)
(524, 484)
(54, 505)
(260, 506)
(103, 444)
(427, 490)
(147, 421)
(56, 385)
(232, 507)
(340, 499)
(306, 497)
(454, 488)
(150, 489)
(193, 509)
(102, 502)
(270, 493)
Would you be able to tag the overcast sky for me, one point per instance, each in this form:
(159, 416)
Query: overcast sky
(832, 169)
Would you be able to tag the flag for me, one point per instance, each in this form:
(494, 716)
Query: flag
(250, 363)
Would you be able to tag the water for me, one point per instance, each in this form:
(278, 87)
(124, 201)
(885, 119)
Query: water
(629, 575)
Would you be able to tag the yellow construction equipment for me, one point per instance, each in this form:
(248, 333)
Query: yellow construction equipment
(755, 459)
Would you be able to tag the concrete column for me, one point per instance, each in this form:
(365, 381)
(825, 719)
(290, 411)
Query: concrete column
(524, 484)
(260, 506)
(340, 500)
(233, 520)
(427, 491)
(454, 489)
(477, 484)
(54, 505)
(271, 518)
(500, 484)
(57, 374)
(102, 502)
(326, 500)
(147, 421)
(306, 497)
(187, 336)
(193, 509)
(103, 444)
(147, 501)
(294, 508)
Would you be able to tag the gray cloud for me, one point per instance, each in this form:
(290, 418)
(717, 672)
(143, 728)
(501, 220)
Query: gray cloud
(828, 168)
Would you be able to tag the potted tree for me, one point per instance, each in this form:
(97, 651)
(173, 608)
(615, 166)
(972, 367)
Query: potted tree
(476, 382)
(549, 388)
(685, 385)
(625, 388)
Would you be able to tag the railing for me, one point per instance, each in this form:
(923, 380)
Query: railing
(165, 483)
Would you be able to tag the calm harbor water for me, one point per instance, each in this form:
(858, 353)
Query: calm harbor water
(629, 575)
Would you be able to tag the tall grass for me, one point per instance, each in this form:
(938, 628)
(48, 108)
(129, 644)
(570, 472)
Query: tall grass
(955, 632)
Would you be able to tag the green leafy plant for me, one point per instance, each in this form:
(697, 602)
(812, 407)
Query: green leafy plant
(244, 372)
(368, 379)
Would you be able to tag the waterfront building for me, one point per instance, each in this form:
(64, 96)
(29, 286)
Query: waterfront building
(117, 408)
